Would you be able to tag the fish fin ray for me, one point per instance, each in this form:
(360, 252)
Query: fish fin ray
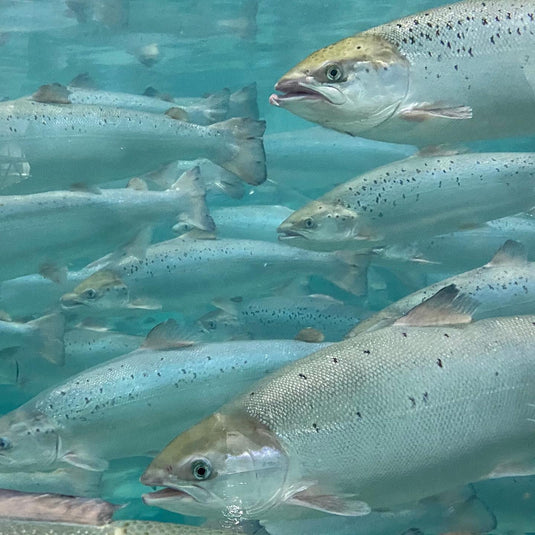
(447, 307)
(93, 464)
(51, 329)
(52, 94)
(57, 274)
(249, 159)
(244, 102)
(333, 504)
(423, 111)
(196, 215)
(166, 336)
(352, 273)
(83, 81)
(217, 106)
(510, 252)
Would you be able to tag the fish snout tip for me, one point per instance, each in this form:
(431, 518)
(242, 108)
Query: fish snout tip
(68, 300)
(152, 477)
(274, 100)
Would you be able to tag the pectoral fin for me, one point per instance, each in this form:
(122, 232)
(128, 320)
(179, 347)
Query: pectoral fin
(329, 503)
(94, 464)
(425, 110)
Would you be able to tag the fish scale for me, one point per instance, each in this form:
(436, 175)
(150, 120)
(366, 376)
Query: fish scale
(408, 412)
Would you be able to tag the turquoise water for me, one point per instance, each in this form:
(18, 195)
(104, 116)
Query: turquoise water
(190, 49)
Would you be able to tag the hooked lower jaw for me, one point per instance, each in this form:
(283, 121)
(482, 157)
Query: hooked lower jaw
(166, 494)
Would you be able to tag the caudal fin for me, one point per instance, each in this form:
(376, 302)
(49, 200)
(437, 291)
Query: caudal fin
(51, 329)
(248, 160)
(351, 272)
(216, 107)
(195, 214)
(244, 102)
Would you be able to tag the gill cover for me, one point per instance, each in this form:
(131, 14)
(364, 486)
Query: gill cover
(228, 463)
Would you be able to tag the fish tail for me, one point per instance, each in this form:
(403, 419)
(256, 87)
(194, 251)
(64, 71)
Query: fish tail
(51, 329)
(351, 272)
(248, 160)
(244, 102)
(217, 106)
(195, 215)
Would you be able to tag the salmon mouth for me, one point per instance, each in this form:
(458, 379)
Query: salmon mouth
(164, 495)
(294, 91)
(289, 234)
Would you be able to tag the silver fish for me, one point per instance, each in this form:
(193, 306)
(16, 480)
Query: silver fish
(424, 79)
(183, 274)
(109, 411)
(34, 156)
(281, 317)
(59, 227)
(203, 111)
(441, 194)
(502, 287)
(379, 421)
(122, 527)
(17, 505)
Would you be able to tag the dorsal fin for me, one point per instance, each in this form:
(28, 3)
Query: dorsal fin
(137, 184)
(83, 81)
(510, 252)
(165, 336)
(447, 307)
(52, 94)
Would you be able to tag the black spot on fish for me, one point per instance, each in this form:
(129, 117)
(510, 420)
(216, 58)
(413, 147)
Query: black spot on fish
(366, 351)
(335, 360)
(404, 335)
(425, 397)
(315, 426)
(303, 376)
(439, 362)
(413, 401)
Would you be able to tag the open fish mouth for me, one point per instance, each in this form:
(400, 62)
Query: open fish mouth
(165, 494)
(289, 234)
(293, 90)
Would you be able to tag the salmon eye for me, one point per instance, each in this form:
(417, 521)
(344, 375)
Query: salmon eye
(309, 223)
(201, 469)
(334, 72)
(90, 293)
(5, 443)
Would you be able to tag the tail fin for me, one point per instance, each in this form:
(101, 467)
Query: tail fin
(351, 274)
(244, 102)
(51, 329)
(195, 215)
(249, 159)
(216, 106)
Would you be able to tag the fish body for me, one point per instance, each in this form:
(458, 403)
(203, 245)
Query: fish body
(502, 287)
(134, 404)
(462, 250)
(203, 111)
(60, 227)
(424, 79)
(282, 317)
(49, 146)
(18, 505)
(441, 193)
(183, 274)
(378, 421)
(253, 222)
(123, 527)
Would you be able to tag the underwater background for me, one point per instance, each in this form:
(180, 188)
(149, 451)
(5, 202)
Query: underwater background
(185, 48)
